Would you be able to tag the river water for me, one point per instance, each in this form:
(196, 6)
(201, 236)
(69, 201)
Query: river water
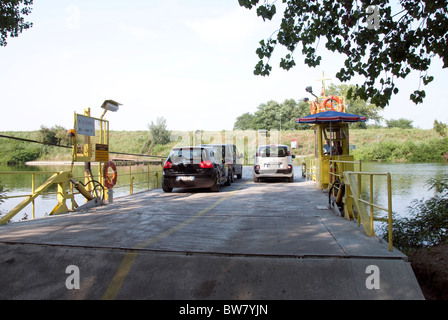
(408, 184)
(20, 184)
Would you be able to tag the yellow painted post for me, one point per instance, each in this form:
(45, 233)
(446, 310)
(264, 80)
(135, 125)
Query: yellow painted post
(74, 204)
(147, 176)
(131, 180)
(319, 160)
(62, 196)
(359, 185)
(371, 206)
(389, 209)
(33, 188)
(101, 180)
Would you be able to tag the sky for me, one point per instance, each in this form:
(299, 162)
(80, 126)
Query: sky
(190, 62)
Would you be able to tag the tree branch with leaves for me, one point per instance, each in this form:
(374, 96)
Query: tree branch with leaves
(381, 51)
(12, 22)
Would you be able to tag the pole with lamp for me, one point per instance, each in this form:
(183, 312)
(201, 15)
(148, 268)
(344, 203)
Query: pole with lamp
(113, 106)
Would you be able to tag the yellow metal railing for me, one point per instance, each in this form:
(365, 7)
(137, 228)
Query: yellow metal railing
(148, 176)
(67, 189)
(33, 185)
(354, 196)
(370, 218)
(340, 166)
(310, 168)
(61, 179)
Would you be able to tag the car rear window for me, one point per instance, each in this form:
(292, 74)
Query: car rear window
(273, 151)
(222, 152)
(195, 155)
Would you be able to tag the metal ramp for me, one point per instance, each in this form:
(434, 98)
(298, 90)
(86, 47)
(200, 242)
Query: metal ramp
(249, 241)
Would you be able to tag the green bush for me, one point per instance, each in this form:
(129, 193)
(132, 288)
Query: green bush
(421, 151)
(19, 152)
(22, 155)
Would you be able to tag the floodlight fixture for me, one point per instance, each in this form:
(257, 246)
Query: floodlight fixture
(110, 105)
(310, 90)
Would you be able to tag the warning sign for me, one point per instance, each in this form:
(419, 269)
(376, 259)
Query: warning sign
(86, 125)
(101, 152)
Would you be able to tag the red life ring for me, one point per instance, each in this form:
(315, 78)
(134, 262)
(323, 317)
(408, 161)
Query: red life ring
(313, 107)
(327, 103)
(109, 181)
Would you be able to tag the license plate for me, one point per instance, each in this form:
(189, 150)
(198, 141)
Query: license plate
(185, 178)
(272, 166)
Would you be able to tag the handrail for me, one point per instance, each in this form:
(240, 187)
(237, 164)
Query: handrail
(310, 168)
(33, 185)
(71, 192)
(132, 183)
(339, 174)
(356, 196)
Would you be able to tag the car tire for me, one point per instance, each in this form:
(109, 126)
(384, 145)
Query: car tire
(165, 188)
(217, 184)
(229, 178)
(256, 179)
(291, 179)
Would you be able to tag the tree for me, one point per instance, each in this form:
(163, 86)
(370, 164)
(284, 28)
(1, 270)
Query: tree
(400, 123)
(56, 135)
(11, 18)
(159, 133)
(273, 115)
(244, 122)
(441, 128)
(377, 43)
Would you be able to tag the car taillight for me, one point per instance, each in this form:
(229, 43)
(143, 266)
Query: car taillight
(257, 167)
(206, 164)
(167, 165)
(289, 167)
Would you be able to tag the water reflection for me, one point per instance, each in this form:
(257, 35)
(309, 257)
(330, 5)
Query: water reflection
(20, 184)
(409, 182)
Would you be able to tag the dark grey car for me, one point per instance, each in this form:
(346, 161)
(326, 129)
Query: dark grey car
(194, 167)
(231, 156)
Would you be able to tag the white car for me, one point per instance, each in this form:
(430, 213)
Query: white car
(273, 161)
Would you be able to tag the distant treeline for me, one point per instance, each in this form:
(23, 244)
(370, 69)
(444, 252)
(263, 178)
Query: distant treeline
(385, 144)
(432, 150)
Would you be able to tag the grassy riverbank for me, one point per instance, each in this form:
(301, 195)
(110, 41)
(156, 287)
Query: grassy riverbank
(413, 145)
